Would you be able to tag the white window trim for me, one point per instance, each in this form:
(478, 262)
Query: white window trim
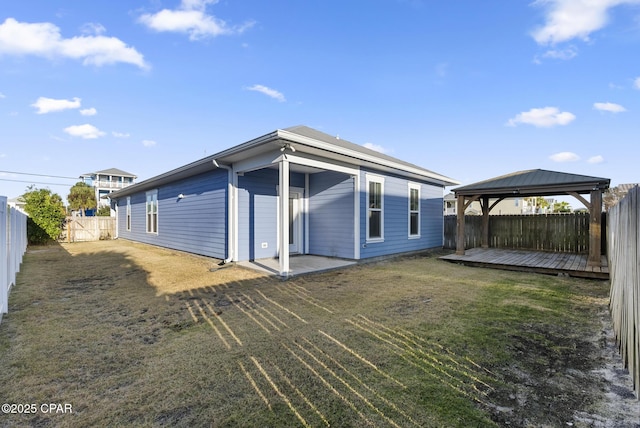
(128, 214)
(413, 186)
(151, 193)
(369, 178)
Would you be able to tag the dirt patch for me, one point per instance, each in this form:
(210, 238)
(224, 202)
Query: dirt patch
(565, 377)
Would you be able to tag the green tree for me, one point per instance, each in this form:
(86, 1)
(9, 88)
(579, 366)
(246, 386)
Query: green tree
(104, 211)
(46, 215)
(82, 197)
(561, 207)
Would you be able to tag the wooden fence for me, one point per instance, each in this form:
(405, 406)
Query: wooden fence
(80, 229)
(567, 233)
(13, 244)
(624, 272)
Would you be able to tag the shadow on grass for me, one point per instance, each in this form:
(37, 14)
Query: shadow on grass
(135, 335)
(128, 334)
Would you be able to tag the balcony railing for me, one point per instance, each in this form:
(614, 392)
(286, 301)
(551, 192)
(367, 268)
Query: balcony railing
(112, 184)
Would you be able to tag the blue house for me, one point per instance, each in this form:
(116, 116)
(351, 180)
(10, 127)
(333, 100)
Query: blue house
(319, 194)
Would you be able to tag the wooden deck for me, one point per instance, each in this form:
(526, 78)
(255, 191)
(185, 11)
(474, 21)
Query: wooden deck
(552, 263)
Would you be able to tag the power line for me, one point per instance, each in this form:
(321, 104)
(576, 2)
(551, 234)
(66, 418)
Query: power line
(41, 175)
(36, 182)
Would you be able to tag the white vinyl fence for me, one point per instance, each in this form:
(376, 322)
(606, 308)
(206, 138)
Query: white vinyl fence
(13, 244)
(624, 271)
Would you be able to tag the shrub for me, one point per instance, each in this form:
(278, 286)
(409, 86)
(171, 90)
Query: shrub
(46, 215)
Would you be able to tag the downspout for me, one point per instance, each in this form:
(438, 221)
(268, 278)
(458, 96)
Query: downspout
(115, 208)
(230, 205)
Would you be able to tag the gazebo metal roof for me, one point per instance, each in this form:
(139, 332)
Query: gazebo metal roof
(534, 182)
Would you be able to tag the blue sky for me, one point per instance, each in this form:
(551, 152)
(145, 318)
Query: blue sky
(469, 89)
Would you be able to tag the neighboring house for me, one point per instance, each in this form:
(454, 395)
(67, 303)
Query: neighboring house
(615, 194)
(106, 181)
(529, 206)
(504, 207)
(17, 203)
(317, 193)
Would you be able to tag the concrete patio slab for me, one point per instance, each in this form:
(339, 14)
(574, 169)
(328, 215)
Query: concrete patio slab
(298, 265)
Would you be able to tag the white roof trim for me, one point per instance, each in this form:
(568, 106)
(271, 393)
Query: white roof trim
(365, 157)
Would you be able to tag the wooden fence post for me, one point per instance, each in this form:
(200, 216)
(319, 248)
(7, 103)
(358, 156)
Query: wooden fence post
(595, 231)
(460, 226)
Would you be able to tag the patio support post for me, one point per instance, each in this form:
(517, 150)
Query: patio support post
(460, 226)
(283, 254)
(485, 222)
(595, 231)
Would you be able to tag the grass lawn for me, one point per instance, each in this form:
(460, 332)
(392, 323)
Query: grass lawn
(129, 334)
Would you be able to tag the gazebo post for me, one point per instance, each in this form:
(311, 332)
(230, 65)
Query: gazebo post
(595, 230)
(485, 222)
(460, 226)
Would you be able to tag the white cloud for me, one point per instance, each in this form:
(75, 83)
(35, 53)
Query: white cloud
(596, 159)
(3, 155)
(86, 131)
(268, 92)
(542, 117)
(570, 19)
(2, 95)
(89, 112)
(562, 54)
(149, 143)
(93, 28)
(120, 134)
(48, 105)
(44, 40)
(376, 147)
(636, 83)
(191, 18)
(610, 107)
(564, 157)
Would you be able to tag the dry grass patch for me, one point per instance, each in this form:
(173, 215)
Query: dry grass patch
(136, 335)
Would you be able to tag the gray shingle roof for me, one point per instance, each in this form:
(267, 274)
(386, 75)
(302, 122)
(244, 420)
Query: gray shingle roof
(305, 131)
(354, 151)
(626, 187)
(111, 171)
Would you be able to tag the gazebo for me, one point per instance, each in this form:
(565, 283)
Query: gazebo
(531, 183)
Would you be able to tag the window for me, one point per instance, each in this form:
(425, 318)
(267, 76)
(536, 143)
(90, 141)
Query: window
(375, 208)
(129, 213)
(414, 210)
(152, 211)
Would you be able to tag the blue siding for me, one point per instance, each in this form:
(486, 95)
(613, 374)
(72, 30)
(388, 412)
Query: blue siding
(258, 213)
(331, 214)
(196, 223)
(396, 217)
